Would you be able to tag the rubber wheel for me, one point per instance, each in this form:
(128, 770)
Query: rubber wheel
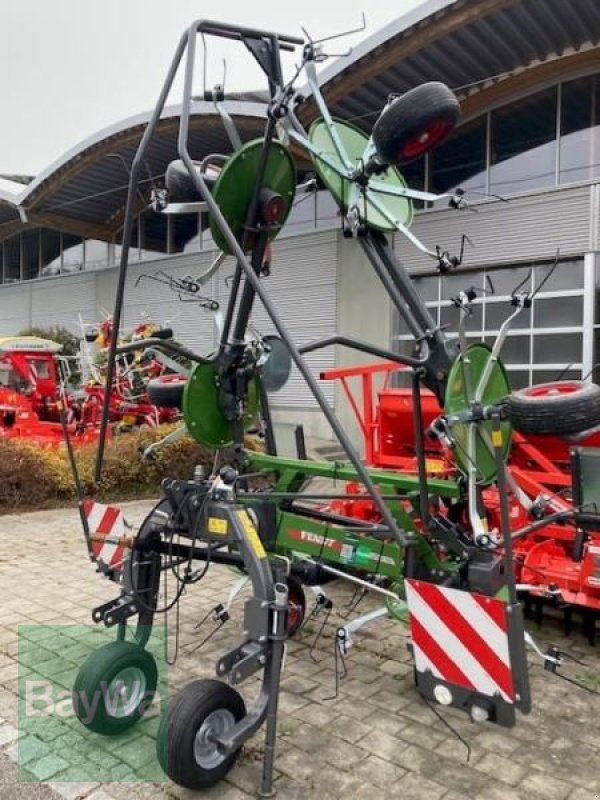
(562, 408)
(96, 696)
(166, 391)
(415, 122)
(297, 606)
(184, 746)
(181, 187)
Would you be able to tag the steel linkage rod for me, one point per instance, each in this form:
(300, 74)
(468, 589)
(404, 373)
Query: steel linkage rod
(127, 231)
(281, 329)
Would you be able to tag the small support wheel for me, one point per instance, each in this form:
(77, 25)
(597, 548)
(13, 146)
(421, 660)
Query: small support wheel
(415, 122)
(297, 606)
(114, 687)
(186, 741)
(559, 408)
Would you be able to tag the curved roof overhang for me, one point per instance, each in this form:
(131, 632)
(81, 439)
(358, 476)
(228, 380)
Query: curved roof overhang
(471, 45)
(85, 191)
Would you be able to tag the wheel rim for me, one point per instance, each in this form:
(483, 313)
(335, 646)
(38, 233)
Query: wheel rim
(426, 139)
(295, 611)
(552, 389)
(206, 752)
(125, 692)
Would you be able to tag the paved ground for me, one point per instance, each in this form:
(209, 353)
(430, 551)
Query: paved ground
(375, 740)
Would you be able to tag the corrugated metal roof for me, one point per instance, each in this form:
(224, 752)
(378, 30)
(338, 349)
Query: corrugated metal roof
(463, 43)
(89, 183)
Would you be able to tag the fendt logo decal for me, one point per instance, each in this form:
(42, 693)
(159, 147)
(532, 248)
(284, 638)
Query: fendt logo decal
(347, 552)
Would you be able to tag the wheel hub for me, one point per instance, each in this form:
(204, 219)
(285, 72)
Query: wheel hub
(125, 692)
(206, 751)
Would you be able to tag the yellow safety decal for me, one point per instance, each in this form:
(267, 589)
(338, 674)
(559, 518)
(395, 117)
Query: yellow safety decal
(217, 526)
(251, 534)
(497, 438)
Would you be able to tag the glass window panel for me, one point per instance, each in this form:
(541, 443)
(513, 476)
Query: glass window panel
(549, 376)
(523, 138)
(505, 280)
(563, 348)
(558, 312)
(460, 161)
(450, 316)
(12, 259)
(518, 379)
(134, 253)
(497, 313)
(595, 149)
(51, 256)
(72, 253)
(184, 228)
(515, 349)
(427, 287)
(154, 235)
(566, 275)
(31, 254)
(1, 262)
(460, 281)
(576, 131)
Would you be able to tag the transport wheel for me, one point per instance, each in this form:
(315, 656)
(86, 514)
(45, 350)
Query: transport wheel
(415, 122)
(114, 687)
(166, 391)
(562, 407)
(297, 606)
(185, 743)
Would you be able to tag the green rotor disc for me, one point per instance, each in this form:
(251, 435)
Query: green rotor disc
(355, 143)
(234, 189)
(496, 390)
(203, 417)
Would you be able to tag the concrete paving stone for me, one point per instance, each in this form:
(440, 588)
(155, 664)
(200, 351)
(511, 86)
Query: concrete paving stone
(541, 784)
(496, 740)
(30, 748)
(498, 792)
(584, 794)
(382, 745)
(422, 735)
(8, 734)
(340, 754)
(348, 729)
(419, 788)
(48, 766)
(503, 769)
(374, 770)
(72, 791)
(387, 723)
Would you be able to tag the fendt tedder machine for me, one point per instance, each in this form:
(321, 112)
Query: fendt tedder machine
(431, 548)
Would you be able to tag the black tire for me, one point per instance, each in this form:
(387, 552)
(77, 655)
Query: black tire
(166, 392)
(297, 603)
(94, 695)
(415, 122)
(192, 764)
(180, 186)
(560, 408)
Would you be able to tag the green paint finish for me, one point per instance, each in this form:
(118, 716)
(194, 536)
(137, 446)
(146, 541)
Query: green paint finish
(392, 481)
(235, 187)
(355, 143)
(334, 545)
(497, 388)
(202, 413)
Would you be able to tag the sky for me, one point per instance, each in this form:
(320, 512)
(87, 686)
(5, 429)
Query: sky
(69, 68)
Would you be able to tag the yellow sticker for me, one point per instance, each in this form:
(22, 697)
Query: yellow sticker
(217, 526)
(251, 534)
(497, 438)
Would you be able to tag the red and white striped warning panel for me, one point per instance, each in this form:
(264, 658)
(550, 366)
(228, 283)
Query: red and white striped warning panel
(106, 522)
(461, 638)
